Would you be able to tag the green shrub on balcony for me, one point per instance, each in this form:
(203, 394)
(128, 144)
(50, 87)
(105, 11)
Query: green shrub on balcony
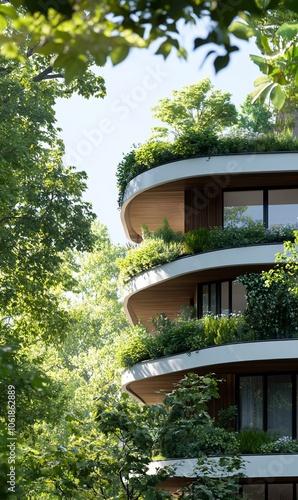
(272, 308)
(166, 245)
(252, 441)
(150, 253)
(281, 445)
(174, 337)
(252, 233)
(194, 144)
(187, 430)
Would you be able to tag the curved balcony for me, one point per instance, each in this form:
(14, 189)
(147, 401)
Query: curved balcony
(149, 380)
(160, 192)
(167, 288)
(257, 469)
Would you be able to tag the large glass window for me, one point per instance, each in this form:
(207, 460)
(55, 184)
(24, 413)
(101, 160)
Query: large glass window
(268, 402)
(251, 402)
(271, 206)
(270, 491)
(282, 206)
(222, 297)
(280, 491)
(280, 405)
(241, 207)
(253, 491)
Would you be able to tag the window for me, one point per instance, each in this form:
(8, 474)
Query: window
(269, 402)
(242, 206)
(279, 394)
(270, 206)
(282, 206)
(251, 402)
(271, 491)
(222, 297)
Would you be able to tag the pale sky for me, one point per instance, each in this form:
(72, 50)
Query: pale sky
(98, 132)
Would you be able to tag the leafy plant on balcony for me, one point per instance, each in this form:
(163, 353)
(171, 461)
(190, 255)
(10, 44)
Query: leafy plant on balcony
(251, 233)
(283, 444)
(164, 232)
(253, 440)
(150, 253)
(195, 144)
(187, 429)
(272, 308)
(174, 337)
(165, 245)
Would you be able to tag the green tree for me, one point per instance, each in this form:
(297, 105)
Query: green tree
(75, 35)
(42, 219)
(195, 108)
(255, 117)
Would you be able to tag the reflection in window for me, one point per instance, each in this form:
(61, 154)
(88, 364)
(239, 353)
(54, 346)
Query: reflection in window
(254, 491)
(270, 491)
(280, 491)
(238, 297)
(223, 298)
(282, 206)
(251, 402)
(266, 402)
(280, 405)
(241, 207)
(270, 206)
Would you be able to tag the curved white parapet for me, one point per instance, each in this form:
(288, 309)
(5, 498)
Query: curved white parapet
(231, 257)
(210, 165)
(254, 466)
(211, 356)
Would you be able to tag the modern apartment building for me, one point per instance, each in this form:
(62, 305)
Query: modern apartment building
(261, 377)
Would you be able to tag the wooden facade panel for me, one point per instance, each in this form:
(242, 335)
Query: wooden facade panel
(202, 209)
(151, 208)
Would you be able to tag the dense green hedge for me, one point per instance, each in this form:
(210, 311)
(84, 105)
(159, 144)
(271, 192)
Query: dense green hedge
(192, 145)
(187, 335)
(166, 245)
(178, 336)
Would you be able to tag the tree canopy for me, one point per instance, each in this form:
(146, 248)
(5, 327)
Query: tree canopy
(195, 108)
(75, 35)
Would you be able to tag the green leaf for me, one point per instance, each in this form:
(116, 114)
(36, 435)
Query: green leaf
(119, 53)
(288, 30)
(241, 30)
(277, 97)
(261, 92)
(263, 4)
(265, 43)
(261, 62)
(221, 62)
(164, 49)
(75, 66)
(3, 23)
(8, 10)
(261, 79)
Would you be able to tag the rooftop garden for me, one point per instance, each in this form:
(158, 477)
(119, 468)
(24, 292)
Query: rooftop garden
(200, 121)
(165, 245)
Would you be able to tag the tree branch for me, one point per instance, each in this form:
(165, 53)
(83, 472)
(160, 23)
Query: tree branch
(47, 75)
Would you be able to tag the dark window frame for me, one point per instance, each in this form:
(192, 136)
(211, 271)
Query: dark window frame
(218, 294)
(265, 190)
(267, 484)
(294, 381)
